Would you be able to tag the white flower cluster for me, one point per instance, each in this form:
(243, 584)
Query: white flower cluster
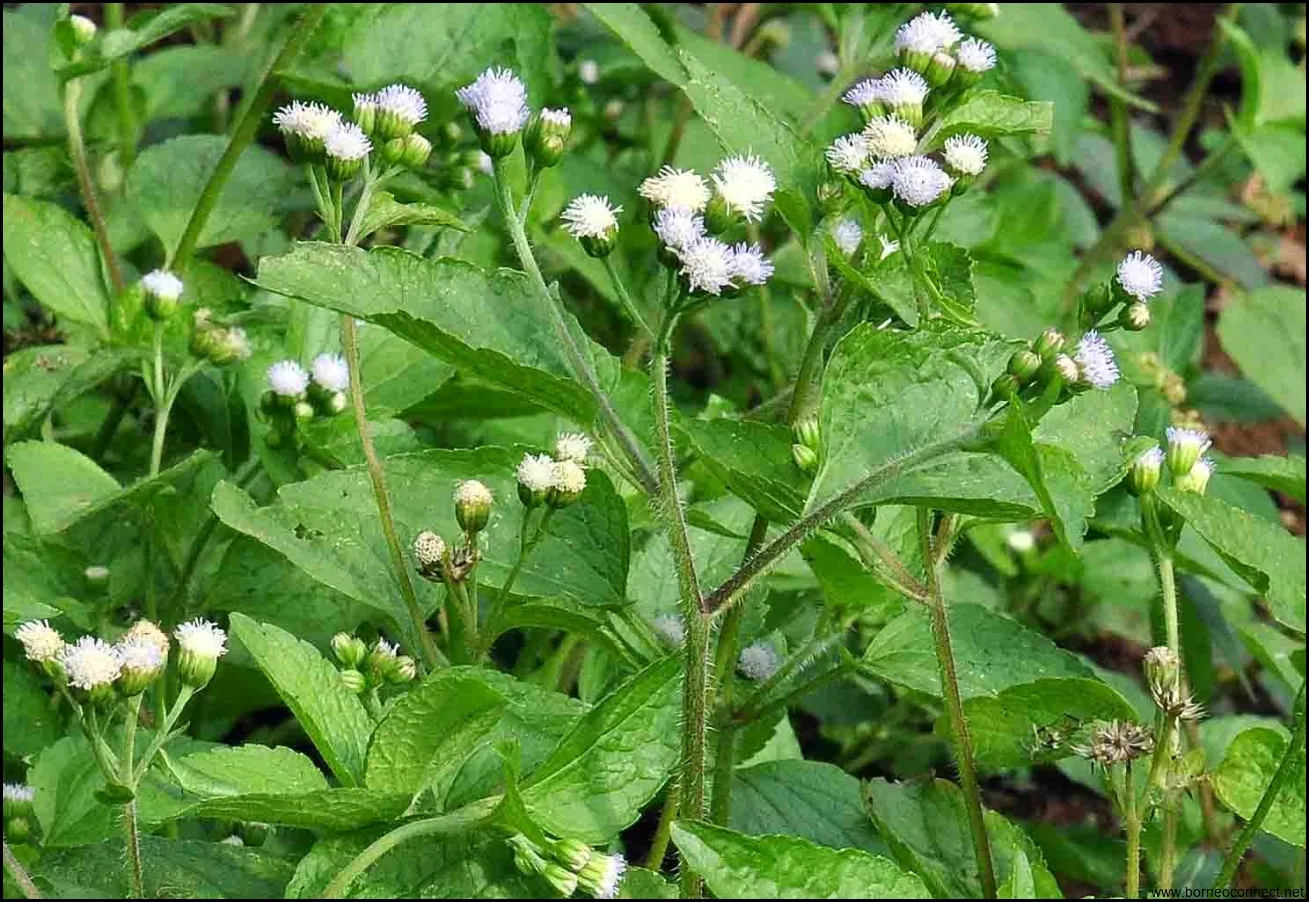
(497, 101)
(564, 474)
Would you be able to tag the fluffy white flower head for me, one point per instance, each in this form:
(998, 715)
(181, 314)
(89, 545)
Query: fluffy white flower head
(201, 638)
(758, 661)
(903, 87)
(707, 265)
(331, 372)
(384, 649)
(471, 491)
(347, 141)
(975, 55)
(162, 284)
(140, 654)
(927, 33)
(568, 477)
(287, 378)
(41, 642)
(1193, 440)
(1140, 275)
(745, 183)
(965, 154)
(403, 102)
(590, 216)
(1152, 459)
(848, 235)
(603, 874)
(572, 446)
(865, 92)
(497, 100)
(676, 188)
(919, 180)
(749, 265)
(561, 118)
(19, 792)
(677, 227)
(670, 627)
(878, 176)
(890, 137)
(307, 120)
(536, 472)
(849, 153)
(1202, 470)
(1095, 361)
(91, 663)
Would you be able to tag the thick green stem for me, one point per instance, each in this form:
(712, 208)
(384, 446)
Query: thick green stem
(456, 821)
(20, 875)
(350, 340)
(133, 839)
(1132, 867)
(1168, 852)
(654, 858)
(162, 732)
(245, 132)
(1168, 594)
(577, 361)
(1284, 773)
(122, 94)
(954, 706)
(77, 150)
(1118, 108)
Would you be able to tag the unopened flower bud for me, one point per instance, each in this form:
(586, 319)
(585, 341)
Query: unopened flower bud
(940, 69)
(83, 30)
(535, 479)
(1197, 480)
(200, 644)
(1005, 386)
(349, 650)
(401, 670)
(1184, 448)
(303, 411)
(1134, 317)
(253, 833)
(18, 798)
(355, 681)
(563, 880)
(473, 502)
(337, 402)
(17, 829)
(1162, 670)
(1023, 365)
(429, 552)
(718, 218)
(1143, 476)
(547, 135)
(1050, 343)
(416, 151)
(392, 152)
(142, 662)
(571, 853)
(807, 433)
(805, 458)
(380, 660)
(1066, 368)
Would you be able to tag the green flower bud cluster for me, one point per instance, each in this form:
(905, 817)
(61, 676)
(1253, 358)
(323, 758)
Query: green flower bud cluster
(569, 865)
(296, 396)
(807, 449)
(220, 345)
(364, 669)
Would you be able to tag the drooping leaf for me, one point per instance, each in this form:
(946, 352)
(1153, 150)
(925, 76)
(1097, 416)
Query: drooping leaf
(812, 800)
(385, 211)
(1246, 773)
(1281, 474)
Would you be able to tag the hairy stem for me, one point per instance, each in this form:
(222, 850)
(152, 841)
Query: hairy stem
(764, 559)
(636, 456)
(1168, 595)
(77, 150)
(20, 875)
(457, 821)
(245, 132)
(1132, 827)
(1118, 107)
(133, 840)
(1285, 770)
(350, 340)
(1168, 852)
(963, 744)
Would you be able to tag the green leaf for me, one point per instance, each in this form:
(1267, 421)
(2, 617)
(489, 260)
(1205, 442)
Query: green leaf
(37, 380)
(926, 825)
(736, 866)
(990, 114)
(30, 722)
(337, 809)
(613, 761)
(1020, 883)
(1266, 555)
(992, 653)
(38, 585)
(1281, 474)
(385, 211)
(54, 254)
(1248, 58)
(639, 883)
(1055, 475)
(141, 32)
(433, 728)
(329, 713)
(177, 81)
(62, 486)
(811, 800)
(1264, 332)
(32, 109)
(1246, 773)
(638, 31)
(1003, 726)
(846, 582)
(237, 770)
(754, 460)
(193, 868)
(167, 179)
(441, 305)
